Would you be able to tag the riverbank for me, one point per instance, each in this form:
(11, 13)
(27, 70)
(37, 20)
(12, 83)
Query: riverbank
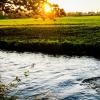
(52, 39)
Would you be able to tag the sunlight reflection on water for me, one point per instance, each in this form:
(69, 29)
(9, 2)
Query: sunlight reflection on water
(48, 77)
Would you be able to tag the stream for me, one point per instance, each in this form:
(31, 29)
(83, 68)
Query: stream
(36, 76)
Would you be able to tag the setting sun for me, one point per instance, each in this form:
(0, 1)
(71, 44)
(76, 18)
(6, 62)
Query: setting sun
(47, 8)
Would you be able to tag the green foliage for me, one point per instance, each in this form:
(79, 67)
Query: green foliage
(14, 83)
(68, 35)
(12, 5)
(17, 79)
(28, 8)
(2, 89)
(26, 73)
(29, 22)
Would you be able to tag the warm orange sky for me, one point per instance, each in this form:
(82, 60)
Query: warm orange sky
(78, 5)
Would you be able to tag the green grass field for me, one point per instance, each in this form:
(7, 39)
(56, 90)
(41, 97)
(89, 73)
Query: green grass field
(84, 20)
(67, 35)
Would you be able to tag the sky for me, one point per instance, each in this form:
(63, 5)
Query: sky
(78, 5)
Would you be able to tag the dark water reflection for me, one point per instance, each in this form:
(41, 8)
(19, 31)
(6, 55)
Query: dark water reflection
(47, 77)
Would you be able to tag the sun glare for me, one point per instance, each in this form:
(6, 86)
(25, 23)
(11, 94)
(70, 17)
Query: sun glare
(47, 8)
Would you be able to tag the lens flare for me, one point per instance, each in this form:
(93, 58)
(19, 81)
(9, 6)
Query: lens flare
(47, 8)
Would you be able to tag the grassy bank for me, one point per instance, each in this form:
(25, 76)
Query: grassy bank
(70, 35)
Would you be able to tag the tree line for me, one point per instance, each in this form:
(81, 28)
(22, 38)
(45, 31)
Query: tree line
(28, 8)
(83, 13)
(34, 8)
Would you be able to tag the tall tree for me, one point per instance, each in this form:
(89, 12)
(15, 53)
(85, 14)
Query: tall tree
(7, 5)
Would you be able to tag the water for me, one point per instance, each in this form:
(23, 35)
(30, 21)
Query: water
(48, 77)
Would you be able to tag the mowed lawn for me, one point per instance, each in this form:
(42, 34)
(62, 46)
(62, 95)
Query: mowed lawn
(83, 20)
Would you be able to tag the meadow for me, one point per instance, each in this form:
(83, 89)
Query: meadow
(66, 35)
(81, 20)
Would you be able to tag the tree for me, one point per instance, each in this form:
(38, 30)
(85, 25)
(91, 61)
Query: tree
(3, 4)
(58, 11)
(9, 5)
(62, 12)
(16, 7)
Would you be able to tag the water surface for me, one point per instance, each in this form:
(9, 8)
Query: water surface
(48, 77)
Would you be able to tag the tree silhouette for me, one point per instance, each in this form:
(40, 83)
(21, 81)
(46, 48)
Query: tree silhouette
(13, 7)
(6, 5)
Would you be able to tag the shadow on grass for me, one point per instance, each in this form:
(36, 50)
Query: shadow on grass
(53, 48)
(72, 40)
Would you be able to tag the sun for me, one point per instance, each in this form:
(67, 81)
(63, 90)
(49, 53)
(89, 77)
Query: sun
(47, 8)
